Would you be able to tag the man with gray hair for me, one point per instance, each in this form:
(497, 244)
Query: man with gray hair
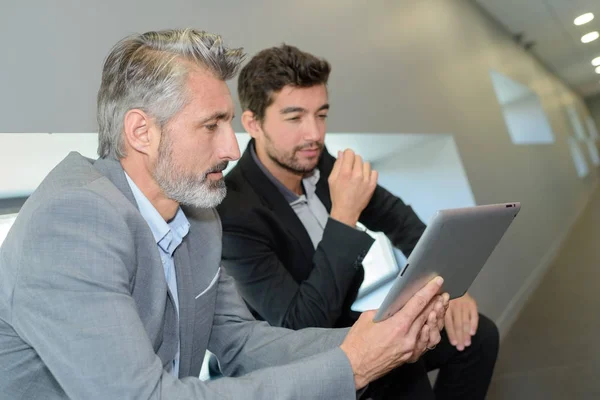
(111, 282)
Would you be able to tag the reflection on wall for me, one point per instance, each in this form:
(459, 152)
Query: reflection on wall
(522, 110)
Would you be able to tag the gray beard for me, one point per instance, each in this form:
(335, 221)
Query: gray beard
(189, 190)
(186, 189)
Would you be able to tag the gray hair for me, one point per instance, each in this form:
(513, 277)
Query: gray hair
(148, 72)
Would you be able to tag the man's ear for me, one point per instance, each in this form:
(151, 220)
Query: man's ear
(251, 124)
(138, 134)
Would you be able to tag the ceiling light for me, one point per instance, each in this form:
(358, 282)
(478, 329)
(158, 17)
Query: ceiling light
(596, 61)
(583, 19)
(590, 37)
(598, 70)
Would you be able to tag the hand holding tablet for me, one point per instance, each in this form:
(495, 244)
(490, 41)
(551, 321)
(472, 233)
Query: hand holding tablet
(455, 245)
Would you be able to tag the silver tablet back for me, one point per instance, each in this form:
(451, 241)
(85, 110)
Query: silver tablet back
(455, 245)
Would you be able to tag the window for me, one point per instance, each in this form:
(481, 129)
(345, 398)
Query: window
(523, 112)
(576, 122)
(593, 151)
(578, 158)
(592, 129)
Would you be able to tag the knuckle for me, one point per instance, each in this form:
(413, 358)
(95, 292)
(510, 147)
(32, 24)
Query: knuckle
(421, 301)
(402, 327)
(344, 174)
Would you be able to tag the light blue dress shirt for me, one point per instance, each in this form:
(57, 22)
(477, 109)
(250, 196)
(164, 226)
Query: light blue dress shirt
(168, 237)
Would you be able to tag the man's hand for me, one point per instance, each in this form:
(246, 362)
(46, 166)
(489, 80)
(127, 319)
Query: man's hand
(436, 324)
(351, 184)
(461, 321)
(374, 349)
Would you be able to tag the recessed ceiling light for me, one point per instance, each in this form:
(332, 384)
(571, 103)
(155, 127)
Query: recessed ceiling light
(590, 37)
(598, 70)
(583, 19)
(596, 61)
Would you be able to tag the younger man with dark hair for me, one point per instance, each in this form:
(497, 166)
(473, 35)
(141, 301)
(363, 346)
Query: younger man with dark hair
(289, 224)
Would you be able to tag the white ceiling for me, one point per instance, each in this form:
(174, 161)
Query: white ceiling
(549, 23)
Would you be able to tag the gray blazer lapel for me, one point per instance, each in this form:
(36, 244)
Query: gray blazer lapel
(185, 291)
(167, 348)
(197, 263)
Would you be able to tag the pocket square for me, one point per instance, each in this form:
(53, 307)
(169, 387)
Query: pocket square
(215, 279)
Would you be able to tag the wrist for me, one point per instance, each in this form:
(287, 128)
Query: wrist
(360, 381)
(344, 217)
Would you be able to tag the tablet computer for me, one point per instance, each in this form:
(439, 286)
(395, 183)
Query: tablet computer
(455, 245)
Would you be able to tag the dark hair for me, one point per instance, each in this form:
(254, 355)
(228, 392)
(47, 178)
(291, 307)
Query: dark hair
(272, 69)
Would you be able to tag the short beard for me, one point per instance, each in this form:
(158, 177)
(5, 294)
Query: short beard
(289, 161)
(184, 187)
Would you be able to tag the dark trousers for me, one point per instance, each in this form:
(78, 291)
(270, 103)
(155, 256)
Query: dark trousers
(464, 375)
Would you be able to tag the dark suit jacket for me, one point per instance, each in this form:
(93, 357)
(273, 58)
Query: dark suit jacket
(283, 279)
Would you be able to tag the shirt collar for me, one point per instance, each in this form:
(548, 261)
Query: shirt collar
(168, 236)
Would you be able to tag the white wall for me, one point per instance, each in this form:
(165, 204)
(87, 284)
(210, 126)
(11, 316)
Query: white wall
(26, 159)
(419, 66)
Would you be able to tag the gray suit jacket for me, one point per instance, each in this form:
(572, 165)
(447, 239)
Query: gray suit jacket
(85, 312)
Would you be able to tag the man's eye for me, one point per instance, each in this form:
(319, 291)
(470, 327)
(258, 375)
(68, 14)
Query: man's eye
(212, 127)
(323, 116)
(294, 119)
